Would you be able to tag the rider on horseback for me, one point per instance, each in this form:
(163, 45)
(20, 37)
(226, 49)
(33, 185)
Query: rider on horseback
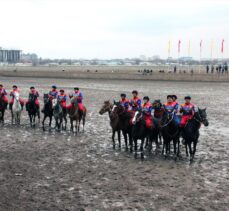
(79, 96)
(34, 92)
(135, 102)
(12, 94)
(3, 94)
(124, 102)
(146, 110)
(170, 107)
(53, 93)
(187, 110)
(62, 97)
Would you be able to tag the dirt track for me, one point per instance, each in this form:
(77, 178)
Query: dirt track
(59, 171)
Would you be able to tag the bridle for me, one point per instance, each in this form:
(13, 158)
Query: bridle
(166, 124)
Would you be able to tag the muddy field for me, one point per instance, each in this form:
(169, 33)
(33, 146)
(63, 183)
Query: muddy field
(60, 171)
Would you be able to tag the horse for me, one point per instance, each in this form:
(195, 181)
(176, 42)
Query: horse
(141, 131)
(57, 113)
(125, 124)
(190, 132)
(32, 109)
(114, 121)
(76, 115)
(3, 106)
(47, 110)
(16, 109)
(170, 132)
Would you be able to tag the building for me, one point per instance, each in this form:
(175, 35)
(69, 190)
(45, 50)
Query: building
(9, 56)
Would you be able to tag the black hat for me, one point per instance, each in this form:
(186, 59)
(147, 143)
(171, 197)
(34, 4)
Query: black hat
(157, 101)
(146, 98)
(169, 96)
(123, 95)
(61, 90)
(54, 86)
(135, 92)
(187, 98)
(1, 85)
(14, 86)
(32, 87)
(76, 88)
(174, 96)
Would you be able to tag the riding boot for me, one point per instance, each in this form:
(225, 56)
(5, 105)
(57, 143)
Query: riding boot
(10, 107)
(22, 107)
(6, 104)
(42, 110)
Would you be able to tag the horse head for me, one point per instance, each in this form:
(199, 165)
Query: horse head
(54, 102)
(31, 98)
(16, 96)
(201, 116)
(107, 106)
(137, 117)
(46, 98)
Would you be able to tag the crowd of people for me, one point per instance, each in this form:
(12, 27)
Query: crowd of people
(53, 93)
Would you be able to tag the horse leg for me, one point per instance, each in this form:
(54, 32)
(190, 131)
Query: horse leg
(186, 149)
(194, 148)
(43, 122)
(190, 151)
(125, 138)
(147, 142)
(71, 122)
(12, 117)
(135, 147)
(50, 121)
(175, 148)
(131, 142)
(30, 120)
(119, 139)
(84, 119)
(141, 148)
(113, 138)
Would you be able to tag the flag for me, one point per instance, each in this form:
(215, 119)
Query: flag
(189, 48)
(222, 46)
(211, 47)
(179, 43)
(169, 47)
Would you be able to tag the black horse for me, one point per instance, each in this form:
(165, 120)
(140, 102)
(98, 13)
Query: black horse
(3, 107)
(125, 124)
(141, 131)
(47, 110)
(170, 132)
(32, 109)
(190, 132)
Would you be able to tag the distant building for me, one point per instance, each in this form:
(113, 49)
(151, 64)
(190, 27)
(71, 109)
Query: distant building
(9, 56)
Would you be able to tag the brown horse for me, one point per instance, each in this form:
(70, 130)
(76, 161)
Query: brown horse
(76, 115)
(114, 120)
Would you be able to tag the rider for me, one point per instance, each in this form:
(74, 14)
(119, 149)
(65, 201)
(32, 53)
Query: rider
(187, 110)
(135, 101)
(171, 107)
(124, 102)
(53, 93)
(12, 94)
(146, 110)
(62, 97)
(36, 95)
(3, 94)
(79, 96)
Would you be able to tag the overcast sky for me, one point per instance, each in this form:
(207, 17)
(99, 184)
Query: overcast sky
(114, 28)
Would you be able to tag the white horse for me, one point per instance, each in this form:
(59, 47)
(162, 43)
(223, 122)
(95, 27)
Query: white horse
(16, 109)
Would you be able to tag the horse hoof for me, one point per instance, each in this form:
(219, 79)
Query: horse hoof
(142, 156)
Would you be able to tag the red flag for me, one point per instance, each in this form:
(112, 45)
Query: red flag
(222, 46)
(179, 42)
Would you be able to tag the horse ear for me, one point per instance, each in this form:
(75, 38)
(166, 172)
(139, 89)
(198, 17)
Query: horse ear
(205, 108)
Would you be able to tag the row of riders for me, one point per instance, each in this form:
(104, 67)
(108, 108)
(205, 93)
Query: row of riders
(54, 106)
(169, 120)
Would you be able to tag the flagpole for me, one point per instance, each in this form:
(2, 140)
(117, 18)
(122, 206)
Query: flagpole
(200, 55)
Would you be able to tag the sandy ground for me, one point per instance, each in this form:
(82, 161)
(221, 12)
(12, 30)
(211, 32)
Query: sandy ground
(60, 171)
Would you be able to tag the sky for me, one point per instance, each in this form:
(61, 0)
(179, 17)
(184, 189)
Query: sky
(108, 29)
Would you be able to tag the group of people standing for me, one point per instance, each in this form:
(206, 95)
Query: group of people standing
(187, 109)
(53, 93)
